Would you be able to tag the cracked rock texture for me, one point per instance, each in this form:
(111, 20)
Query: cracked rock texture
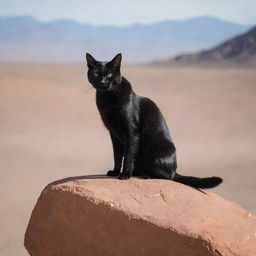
(96, 215)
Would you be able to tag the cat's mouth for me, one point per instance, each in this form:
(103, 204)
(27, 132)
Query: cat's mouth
(103, 87)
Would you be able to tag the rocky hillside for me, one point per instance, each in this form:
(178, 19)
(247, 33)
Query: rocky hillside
(238, 51)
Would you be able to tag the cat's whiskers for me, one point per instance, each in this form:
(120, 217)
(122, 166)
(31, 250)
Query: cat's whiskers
(87, 90)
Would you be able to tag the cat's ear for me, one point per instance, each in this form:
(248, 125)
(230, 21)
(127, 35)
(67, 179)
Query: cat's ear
(90, 60)
(116, 62)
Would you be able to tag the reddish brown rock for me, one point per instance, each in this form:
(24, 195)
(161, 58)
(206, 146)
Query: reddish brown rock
(102, 216)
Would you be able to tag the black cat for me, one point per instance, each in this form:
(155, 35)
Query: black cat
(137, 128)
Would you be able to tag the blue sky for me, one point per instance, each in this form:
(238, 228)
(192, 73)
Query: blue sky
(124, 12)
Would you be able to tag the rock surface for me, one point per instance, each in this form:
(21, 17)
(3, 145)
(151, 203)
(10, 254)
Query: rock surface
(96, 215)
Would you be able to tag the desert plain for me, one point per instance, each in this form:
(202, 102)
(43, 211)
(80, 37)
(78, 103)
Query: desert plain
(51, 129)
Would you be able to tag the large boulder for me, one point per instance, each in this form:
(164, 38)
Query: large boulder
(103, 216)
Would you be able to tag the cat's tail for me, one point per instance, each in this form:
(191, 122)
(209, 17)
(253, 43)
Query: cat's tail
(196, 182)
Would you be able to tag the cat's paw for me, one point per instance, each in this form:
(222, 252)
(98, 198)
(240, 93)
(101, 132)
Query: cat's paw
(112, 173)
(145, 176)
(123, 176)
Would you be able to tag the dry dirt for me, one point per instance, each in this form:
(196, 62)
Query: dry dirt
(50, 129)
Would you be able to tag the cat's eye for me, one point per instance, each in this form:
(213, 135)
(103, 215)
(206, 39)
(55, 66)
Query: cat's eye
(109, 75)
(95, 74)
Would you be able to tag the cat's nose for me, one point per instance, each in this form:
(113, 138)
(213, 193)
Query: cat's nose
(103, 80)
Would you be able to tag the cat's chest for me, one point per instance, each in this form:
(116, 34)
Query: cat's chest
(114, 116)
(110, 113)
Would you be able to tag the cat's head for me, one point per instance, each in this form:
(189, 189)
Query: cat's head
(103, 75)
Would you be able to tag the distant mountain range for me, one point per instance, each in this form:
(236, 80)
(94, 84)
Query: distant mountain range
(238, 51)
(26, 39)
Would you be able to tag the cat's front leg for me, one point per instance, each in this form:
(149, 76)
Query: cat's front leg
(118, 150)
(130, 152)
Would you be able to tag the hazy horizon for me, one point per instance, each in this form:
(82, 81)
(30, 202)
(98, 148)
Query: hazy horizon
(102, 12)
(123, 25)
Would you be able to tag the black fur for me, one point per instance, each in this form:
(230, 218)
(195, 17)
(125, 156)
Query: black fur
(137, 128)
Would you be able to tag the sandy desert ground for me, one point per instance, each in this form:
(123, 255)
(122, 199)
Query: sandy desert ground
(50, 129)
